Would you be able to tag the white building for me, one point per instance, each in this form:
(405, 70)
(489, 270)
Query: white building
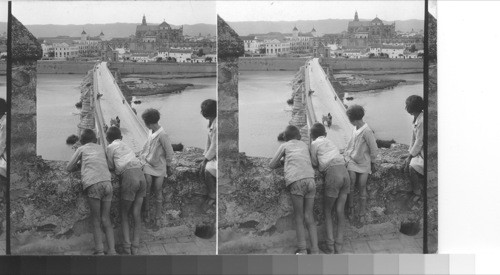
(47, 50)
(393, 51)
(251, 44)
(276, 47)
(64, 51)
(181, 55)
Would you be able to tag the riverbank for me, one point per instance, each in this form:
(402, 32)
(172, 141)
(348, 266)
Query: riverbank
(294, 64)
(81, 67)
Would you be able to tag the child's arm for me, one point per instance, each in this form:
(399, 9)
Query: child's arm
(211, 148)
(276, 161)
(72, 165)
(419, 141)
(372, 146)
(169, 151)
(110, 153)
(314, 155)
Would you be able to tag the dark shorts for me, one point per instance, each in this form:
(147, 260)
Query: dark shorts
(133, 184)
(337, 181)
(102, 191)
(305, 188)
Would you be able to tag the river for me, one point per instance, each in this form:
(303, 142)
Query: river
(57, 116)
(264, 113)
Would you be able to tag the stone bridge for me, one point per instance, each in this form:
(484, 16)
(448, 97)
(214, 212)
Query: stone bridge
(110, 103)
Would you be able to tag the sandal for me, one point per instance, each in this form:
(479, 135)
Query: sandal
(98, 253)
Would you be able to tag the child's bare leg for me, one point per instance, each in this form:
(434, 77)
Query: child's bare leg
(352, 176)
(328, 206)
(108, 227)
(298, 210)
(416, 181)
(95, 213)
(211, 183)
(339, 205)
(136, 212)
(362, 179)
(311, 225)
(145, 208)
(126, 205)
(157, 187)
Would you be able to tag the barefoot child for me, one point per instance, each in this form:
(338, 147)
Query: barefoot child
(127, 166)
(414, 164)
(96, 181)
(326, 156)
(360, 154)
(299, 178)
(156, 156)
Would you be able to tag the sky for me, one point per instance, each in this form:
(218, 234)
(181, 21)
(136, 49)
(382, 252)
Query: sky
(3, 11)
(234, 11)
(100, 12)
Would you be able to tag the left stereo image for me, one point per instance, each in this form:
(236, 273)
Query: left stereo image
(114, 126)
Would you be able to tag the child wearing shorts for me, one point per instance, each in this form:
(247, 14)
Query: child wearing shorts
(299, 179)
(326, 156)
(96, 181)
(156, 156)
(127, 166)
(360, 154)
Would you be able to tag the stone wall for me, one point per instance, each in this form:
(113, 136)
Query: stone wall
(294, 64)
(50, 214)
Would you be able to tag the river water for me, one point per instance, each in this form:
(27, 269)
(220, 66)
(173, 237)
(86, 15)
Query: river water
(264, 113)
(57, 116)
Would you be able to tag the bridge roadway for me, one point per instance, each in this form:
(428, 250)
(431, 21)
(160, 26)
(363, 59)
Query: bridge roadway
(324, 100)
(111, 104)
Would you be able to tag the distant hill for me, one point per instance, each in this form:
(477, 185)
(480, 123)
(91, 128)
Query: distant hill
(110, 30)
(322, 26)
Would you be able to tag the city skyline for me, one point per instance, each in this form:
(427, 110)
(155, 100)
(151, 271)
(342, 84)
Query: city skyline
(70, 13)
(238, 11)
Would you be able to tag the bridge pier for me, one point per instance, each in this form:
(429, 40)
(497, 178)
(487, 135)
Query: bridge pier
(230, 48)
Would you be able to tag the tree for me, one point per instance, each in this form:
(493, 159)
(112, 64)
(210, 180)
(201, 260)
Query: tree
(262, 50)
(208, 59)
(413, 48)
(200, 52)
(159, 59)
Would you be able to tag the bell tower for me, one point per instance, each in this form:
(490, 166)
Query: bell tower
(144, 20)
(356, 16)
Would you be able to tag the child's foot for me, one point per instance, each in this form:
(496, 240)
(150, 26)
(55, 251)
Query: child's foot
(209, 203)
(301, 252)
(134, 250)
(124, 250)
(338, 247)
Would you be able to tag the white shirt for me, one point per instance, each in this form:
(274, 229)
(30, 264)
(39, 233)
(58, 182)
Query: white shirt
(121, 157)
(324, 154)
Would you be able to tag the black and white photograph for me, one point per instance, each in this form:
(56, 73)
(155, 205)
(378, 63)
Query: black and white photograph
(326, 154)
(115, 139)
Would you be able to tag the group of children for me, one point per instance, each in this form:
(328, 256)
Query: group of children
(340, 171)
(139, 174)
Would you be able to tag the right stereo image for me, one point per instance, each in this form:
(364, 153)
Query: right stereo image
(322, 128)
